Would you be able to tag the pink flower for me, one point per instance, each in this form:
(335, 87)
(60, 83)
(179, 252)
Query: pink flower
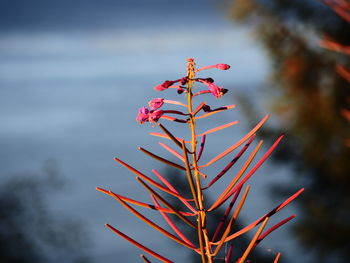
(154, 116)
(207, 80)
(156, 103)
(216, 91)
(166, 84)
(222, 66)
(144, 115)
(218, 66)
(213, 88)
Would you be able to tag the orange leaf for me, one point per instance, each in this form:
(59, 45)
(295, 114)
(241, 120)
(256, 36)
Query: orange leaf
(252, 242)
(132, 201)
(132, 241)
(183, 200)
(232, 220)
(173, 226)
(198, 108)
(218, 128)
(147, 178)
(226, 194)
(212, 112)
(162, 135)
(162, 159)
(172, 151)
(167, 204)
(234, 160)
(251, 172)
(175, 102)
(237, 144)
(261, 219)
(154, 225)
(277, 257)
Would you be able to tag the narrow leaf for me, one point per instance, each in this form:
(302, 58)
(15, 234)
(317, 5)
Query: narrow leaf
(217, 110)
(173, 119)
(172, 151)
(218, 128)
(132, 241)
(145, 259)
(234, 160)
(175, 102)
(277, 257)
(335, 46)
(229, 254)
(252, 242)
(201, 92)
(232, 220)
(201, 148)
(200, 106)
(183, 200)
(176, 112)
(253, 170)
(132, 201)
(152, 224)
(344, 72)
(237, 144)
(162, 159)
(171, 136)
(147, 178)
(162, 135)
(173, 226)
(343, 13)
(261, 219)
(201, 173)
(223, 219)
(226, 194)
(166, 203)
(271, 229)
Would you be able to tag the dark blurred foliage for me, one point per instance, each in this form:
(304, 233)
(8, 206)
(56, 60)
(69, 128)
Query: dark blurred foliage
(308, 96)
(179, 180)
(29, 231)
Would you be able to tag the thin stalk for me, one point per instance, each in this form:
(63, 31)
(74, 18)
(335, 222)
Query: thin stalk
(205, 249)
(189, 176)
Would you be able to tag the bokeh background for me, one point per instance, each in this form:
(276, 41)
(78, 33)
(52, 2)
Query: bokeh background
(74, 73)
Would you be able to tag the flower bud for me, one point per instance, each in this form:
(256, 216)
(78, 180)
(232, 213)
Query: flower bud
(156, 103)
(154, 116)
(166, 84)
(206, 108)
(143, 115)
(222, 66)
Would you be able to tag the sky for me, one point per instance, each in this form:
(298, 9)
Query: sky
(74, 73)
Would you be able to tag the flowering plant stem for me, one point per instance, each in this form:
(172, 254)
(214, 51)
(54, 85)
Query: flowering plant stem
(206, 253)
(207, 245)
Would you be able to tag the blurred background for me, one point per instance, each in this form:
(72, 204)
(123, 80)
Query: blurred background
(74, 73)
